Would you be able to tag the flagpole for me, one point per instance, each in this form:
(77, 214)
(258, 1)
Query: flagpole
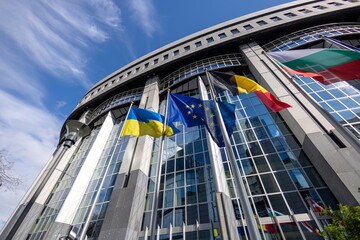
(158, 175)
(292, 215)
(88, 218)
(245, 204)
(336, 43)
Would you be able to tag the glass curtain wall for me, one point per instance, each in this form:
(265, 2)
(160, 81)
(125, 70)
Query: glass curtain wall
(277, 174)
(61, 189)
(186, 196)
(112, 154)
(341, 100)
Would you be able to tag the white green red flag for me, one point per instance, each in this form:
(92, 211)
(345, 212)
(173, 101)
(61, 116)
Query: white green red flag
(322, 64)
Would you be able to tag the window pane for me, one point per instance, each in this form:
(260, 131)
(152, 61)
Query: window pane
(179, 216)
(180, 196)
(284, 181)
(295, 202)
(191, 194)
(269, 183)
(204, 213)
(202, 193)
(299, 179)
(169, 198)
(191, 215)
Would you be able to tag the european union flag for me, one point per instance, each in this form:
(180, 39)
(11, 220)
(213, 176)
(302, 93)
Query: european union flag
(195, 112)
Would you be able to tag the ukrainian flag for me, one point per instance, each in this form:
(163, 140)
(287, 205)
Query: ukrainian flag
(142, 122)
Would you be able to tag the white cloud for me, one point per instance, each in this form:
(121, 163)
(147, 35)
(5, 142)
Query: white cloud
(144, 14)
(55, 35)
(39, 39)
(18, 79)
(60, 104)
(29, 134)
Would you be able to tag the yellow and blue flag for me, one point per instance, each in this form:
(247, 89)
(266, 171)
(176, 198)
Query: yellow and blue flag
(142, 122)
(195, 112)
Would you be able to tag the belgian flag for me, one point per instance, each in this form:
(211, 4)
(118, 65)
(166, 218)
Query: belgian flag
(237, 84)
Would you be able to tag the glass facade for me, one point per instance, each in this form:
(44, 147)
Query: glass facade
(341, 100)
(186, 195)
(108, 168)
(277, 174)
(61, 189)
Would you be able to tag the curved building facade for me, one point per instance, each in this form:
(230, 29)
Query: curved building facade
(102, 186)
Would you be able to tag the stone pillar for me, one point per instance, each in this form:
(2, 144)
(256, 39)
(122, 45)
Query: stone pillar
(126, 207)
(72, 202)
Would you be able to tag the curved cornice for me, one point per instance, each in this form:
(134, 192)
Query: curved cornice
(235, 29)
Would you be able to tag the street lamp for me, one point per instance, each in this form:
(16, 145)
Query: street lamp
(74, 130)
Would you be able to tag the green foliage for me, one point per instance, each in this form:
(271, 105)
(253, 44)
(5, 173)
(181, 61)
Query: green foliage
(345, 223)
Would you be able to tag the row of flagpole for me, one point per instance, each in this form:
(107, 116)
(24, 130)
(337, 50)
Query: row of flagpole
(251, 224)
(241, 191)
(248, 86)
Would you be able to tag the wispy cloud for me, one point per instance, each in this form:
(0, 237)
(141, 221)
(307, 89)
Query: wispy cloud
(39, 39)
(29, 135)
(60, 104)
(144, 14)
(56, 34)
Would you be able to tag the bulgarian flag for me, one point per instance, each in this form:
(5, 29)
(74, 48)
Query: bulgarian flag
(239, 84)
(322, 64)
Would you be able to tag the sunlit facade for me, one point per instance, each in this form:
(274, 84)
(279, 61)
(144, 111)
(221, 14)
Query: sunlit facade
(104, 186)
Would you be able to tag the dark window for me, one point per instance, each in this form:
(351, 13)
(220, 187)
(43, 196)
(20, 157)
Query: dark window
(235, 31)
(335, 4)
(305, 10)
(261, 23)
(210, 39)
(319, 7)
(166, 56)
(156, 61)
(290, 15)
(146, 65)
(187, 48)
(137, 69)
(176, 52)
(275, 19)
(198, 44)
(222, 35)
(248, 27)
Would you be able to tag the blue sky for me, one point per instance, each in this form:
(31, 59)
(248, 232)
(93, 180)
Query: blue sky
(51, 52)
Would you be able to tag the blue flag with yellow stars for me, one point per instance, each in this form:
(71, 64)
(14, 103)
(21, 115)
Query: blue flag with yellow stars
(195, 112)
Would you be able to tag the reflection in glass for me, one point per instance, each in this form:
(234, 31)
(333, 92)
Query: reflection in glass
(299, 179)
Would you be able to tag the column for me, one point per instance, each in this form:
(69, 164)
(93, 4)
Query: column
(126, 207)
(68, 210)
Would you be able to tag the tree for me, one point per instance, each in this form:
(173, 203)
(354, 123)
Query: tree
(7, 180)
(345, 223)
